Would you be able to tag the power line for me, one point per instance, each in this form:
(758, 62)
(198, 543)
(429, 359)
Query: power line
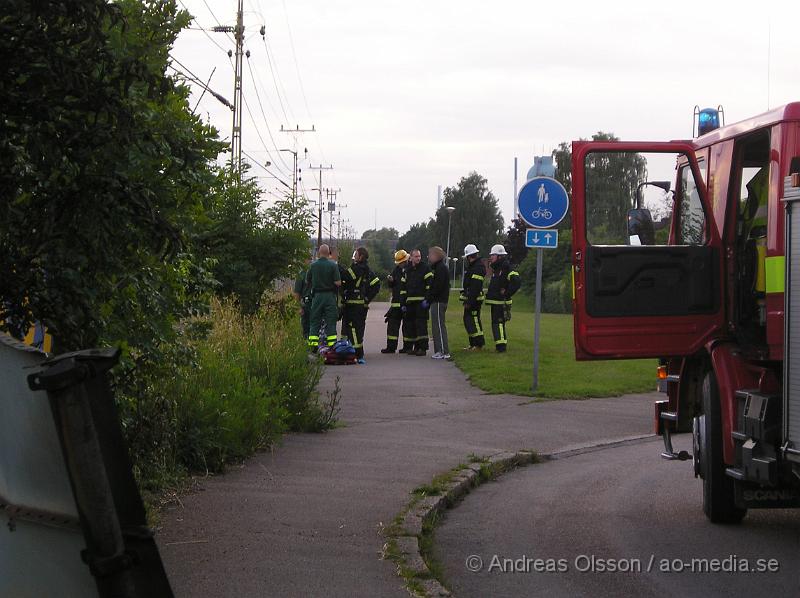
(263, 114)
(198, 28)
(263, 167)
(294, 57)
(193, 78)
(205, 89)
(258, 134)
(213, 16)
(272, 71)
(266, 95)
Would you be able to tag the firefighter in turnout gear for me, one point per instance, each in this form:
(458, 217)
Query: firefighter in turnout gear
(502, 286)
(359, 287)
(324, 280)
(413, 303)
(472, 297)
(394, 317)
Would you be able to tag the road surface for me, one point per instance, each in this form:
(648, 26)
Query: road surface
(624, 507)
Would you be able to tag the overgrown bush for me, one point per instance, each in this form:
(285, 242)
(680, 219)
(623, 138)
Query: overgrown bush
(242, 380)
(557, 297)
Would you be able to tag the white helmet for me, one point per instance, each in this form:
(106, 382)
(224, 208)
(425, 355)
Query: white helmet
(498, 250)
(470, 250)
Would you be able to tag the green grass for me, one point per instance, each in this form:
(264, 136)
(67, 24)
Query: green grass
(560, 376)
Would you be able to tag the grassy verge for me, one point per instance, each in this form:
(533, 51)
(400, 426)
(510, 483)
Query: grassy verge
(240, 382)
(560, 376)
(410, 536)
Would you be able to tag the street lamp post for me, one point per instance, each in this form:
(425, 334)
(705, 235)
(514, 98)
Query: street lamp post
(455, 270)
(450, 210)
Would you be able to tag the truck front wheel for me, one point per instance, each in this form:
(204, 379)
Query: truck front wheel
(718, 493)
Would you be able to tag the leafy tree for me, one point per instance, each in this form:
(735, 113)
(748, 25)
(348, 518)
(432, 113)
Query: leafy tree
(381, 245)
(249, 249)
(611, 180)
(104, 169)
(417, 237)
(476, 219)
(382, 234)
(562, 156)
(115, 218)
(514, 241)
(345, 249)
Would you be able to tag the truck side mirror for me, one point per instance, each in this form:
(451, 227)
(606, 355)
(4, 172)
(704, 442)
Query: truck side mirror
(665, 186)
(641, 230)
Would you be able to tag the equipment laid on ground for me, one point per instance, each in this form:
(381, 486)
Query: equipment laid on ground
(707, 286)
(341, 353)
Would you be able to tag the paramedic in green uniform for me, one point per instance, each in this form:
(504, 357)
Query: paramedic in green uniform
(324, 281)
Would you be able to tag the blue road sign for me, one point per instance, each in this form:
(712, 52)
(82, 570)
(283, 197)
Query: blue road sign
(541, 239)
(542, 202)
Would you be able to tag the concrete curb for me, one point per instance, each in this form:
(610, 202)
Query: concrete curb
(403, 539)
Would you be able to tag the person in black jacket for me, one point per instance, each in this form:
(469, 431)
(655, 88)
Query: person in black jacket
(472, 296)
(394, 317)
(359, 287)
(502, 286)
(416, 284)
(438, 295)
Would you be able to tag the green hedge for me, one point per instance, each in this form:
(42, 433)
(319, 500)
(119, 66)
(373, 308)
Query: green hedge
(557, 297)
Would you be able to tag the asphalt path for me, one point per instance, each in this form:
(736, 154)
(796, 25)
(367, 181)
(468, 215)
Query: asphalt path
(305, 519)
(615, 522)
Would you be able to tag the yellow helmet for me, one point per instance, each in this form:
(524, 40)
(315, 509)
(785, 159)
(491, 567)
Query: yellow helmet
(400, 256)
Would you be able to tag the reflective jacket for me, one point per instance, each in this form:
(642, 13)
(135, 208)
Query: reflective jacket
(359, 284)
(503, 283)
(396, 283)
(416, 283)
(472, 293)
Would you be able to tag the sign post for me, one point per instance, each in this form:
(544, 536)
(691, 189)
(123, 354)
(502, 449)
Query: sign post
(542, 203)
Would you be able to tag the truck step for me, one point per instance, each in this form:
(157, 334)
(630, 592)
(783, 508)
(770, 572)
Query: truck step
(733, 472)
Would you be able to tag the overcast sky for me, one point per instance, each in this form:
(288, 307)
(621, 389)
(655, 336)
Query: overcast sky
(407, 95)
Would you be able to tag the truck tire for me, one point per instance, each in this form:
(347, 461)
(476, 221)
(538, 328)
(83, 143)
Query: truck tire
(718, 492)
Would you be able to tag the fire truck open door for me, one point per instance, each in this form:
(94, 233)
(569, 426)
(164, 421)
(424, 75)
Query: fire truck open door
(635, 298)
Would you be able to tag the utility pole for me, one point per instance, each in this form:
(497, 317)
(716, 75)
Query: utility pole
(331, 195)
(295, 171)
(236, 133)
(339, 221)
(295, 132)
(514, 211)
(319, 205)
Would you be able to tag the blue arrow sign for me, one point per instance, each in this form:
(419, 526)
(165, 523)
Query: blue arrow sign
(541, 238)
(542, 202)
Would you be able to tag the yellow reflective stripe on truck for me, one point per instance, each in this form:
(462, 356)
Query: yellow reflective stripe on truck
(776, 273)
(573, 283)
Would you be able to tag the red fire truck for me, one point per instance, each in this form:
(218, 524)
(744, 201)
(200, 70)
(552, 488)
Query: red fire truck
(701, 277)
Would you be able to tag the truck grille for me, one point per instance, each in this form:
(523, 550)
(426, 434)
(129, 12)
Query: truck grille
(791, 195)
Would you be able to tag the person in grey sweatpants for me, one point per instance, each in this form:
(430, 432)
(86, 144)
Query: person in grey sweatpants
(438, 295)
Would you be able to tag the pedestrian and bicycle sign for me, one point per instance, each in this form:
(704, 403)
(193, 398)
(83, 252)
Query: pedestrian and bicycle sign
(542, 202)
(537, 238)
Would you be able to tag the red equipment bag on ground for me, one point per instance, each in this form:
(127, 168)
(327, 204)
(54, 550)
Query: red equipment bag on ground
(341, 353)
